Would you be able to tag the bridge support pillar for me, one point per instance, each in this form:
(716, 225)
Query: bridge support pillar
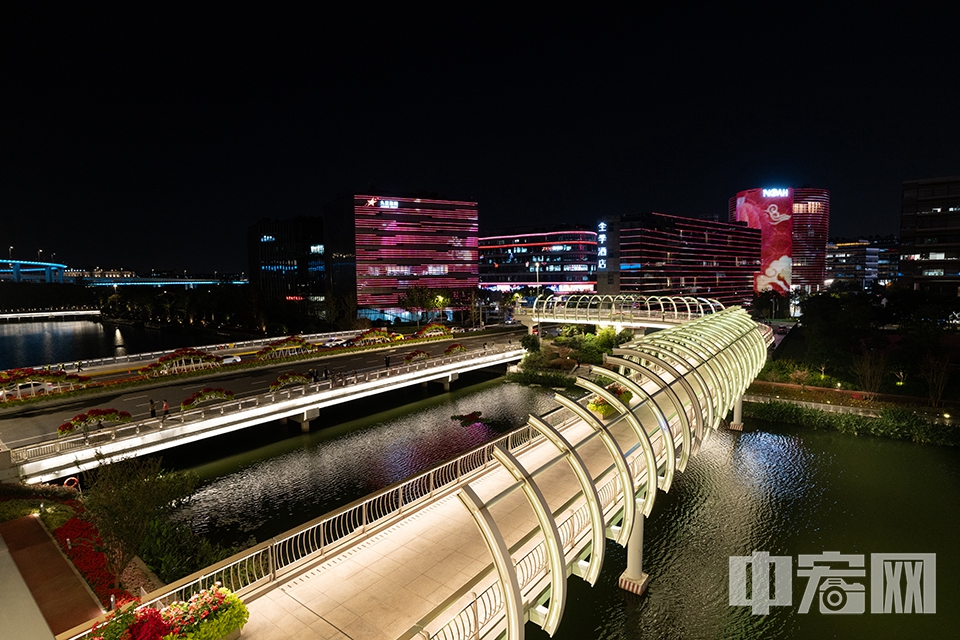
(303, 419)
(737, 424)
(450, 378)
(634, 579)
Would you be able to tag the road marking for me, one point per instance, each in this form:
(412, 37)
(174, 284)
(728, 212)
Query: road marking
(199, 386)
(134, 398)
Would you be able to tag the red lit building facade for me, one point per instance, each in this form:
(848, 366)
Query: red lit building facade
(659, 254)
(379, 246)
(794, 225)
(561, 259)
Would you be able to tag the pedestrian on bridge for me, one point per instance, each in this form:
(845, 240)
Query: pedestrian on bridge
(166, 410)
(153, 408)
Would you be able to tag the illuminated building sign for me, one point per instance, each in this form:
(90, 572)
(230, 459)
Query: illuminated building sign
(776, 193)
(316, 248)
(267, 239)
(771, 211)
(389, 204)
(602, 246)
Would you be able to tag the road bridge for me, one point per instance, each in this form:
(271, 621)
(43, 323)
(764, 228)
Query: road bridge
(478, 545)
(65, 456)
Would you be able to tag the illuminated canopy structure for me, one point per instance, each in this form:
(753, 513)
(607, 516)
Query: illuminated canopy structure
(618, 311)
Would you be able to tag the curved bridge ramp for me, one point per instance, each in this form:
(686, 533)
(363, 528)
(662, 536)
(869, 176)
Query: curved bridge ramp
(493, 536)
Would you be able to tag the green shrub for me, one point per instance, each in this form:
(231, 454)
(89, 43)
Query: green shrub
(897, 423)
(542, 377)
(173, 551)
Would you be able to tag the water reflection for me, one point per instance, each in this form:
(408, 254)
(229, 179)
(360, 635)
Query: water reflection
(275, 487)
(26, 344)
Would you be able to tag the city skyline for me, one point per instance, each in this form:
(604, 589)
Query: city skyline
(153, 138)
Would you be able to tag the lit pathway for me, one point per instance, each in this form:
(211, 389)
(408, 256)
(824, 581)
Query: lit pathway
(383, 587)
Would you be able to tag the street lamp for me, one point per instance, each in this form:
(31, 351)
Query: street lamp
(11, 253)
(39, 251)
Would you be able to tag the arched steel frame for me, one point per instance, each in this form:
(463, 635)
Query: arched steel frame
(579, 468)
(708, 347)
(682, 417)
(649, 457)
(596, 308)
(695, 417)
(619, 461)
(668, 445)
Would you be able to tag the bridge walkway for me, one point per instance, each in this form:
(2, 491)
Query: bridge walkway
(392, 583)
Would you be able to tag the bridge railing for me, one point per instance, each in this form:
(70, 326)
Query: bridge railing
(153, 355)
(272, 559)
(33, 452)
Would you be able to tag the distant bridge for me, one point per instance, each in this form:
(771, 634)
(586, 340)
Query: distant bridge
(619, 311)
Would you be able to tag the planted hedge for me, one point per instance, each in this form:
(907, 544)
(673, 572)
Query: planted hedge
(896, 423)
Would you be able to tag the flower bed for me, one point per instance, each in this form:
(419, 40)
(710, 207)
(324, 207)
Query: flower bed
(185, 359)
(92, 564)
(432, 330)
(416, 356)
(454, 349)
(289, 378)
(85, 421)
(598, 404)
(209, 615)
(375, 336)
(289, 346)
(207, 393)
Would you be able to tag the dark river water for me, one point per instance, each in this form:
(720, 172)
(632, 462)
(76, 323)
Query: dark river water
(27, 344)
(787, 491)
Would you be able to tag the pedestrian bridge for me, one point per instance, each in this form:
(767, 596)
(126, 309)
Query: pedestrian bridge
(619, 311)
(479, 545)
(65, 456)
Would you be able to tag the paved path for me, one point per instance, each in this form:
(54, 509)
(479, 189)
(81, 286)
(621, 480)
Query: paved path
(425, 564)
(59, 595)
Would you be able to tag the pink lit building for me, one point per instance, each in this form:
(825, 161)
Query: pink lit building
(381, 245)
(794, 224)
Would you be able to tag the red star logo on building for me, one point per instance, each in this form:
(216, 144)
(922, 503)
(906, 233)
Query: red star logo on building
(372, 202)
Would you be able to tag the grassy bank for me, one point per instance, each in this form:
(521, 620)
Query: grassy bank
(896, 423)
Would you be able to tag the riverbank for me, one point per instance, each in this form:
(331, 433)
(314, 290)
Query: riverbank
(898, 423)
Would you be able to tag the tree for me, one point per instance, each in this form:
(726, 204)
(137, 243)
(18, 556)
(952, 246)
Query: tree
(124, 497)
(416, 300)
(934, 370)
(531, 343)
(869, 368)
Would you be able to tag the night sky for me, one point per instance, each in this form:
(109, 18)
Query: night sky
(151, 138)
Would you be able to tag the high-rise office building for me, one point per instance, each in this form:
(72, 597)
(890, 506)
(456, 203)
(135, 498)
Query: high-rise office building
(659, 254)
(930, 235)
(794, 224)
(379, 246)
(287, 260)
(853, 262)
(561, 258)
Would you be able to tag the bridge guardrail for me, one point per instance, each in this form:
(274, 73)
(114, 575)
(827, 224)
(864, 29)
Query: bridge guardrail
(153, 355)
(30, 453)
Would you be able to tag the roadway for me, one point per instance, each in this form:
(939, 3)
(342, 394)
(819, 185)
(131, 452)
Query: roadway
(37, 422)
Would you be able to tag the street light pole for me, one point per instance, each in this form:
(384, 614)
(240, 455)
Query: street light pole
(10, 255)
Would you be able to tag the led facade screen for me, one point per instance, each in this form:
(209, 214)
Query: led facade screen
(406, 242)
(770, 211)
